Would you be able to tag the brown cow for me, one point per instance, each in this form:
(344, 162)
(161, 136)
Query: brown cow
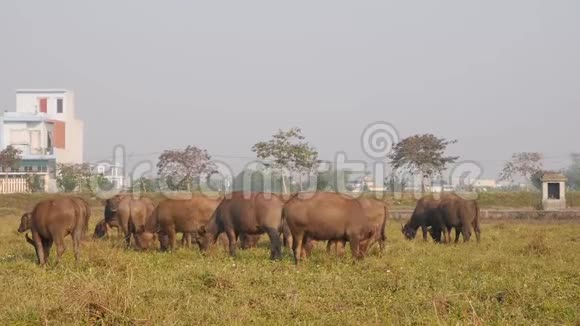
(50, 221)
(377, 212)
(128, 212)
(461, 214)
(326, 216)
(249, 213)
(177, 216)
(102, 229)
(425, 215)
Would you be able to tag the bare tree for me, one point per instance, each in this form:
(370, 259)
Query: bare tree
(181, 167)
(423, 155)
(528, 165)
(288, 150)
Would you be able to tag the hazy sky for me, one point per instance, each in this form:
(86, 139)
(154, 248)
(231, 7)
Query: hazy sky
(499, 76)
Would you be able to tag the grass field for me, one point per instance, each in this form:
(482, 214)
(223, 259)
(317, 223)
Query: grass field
(521, 273)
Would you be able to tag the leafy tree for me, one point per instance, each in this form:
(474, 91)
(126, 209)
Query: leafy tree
(396, 182)
(9, 158)
(102, 182)
(35, 182)
(288, 150)
(180, 168)
(422, 155)
(524, 164)
(144, 184)
(573, 171)
(258, 180)
(71, 176)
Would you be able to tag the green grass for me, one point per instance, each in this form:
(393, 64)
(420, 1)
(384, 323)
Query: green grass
(522, 272)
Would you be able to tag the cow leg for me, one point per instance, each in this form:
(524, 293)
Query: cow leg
(466, 232)
(477, 230)
(77, 245)
(46, 245)
(126, 233)
(297, 246)
(340, 245)
(355, 247)
(447, 234)
(171, 235)
(329, 246)
(60, 247)
(457, 232)
(39, 246)
(424, 230)
(186, 240)
(127, 239)
(307, 245)
(231, 242)
(275, 244)
(287, 237)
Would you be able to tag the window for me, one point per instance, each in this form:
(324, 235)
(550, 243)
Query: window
(59, 104)
(42, 104)
(553, 190)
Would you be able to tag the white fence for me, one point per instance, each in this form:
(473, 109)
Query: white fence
(13, 185)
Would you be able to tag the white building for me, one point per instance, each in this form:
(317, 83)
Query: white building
(44, 128)
(57, 107)
(112, 172)
(485, 184)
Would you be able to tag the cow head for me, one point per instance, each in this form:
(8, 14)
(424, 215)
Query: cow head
(144, 239)
(25, 222)
(111, 207)
(100, 230)
(203, 239)
(409, 232)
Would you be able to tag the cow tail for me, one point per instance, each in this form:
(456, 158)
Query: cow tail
(476, 217)
(87, 215)
(152, 222)
(383, 230)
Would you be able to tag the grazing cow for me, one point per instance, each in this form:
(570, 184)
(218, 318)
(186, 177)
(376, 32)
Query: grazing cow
(460, 214)
(177, 216)
(249, 213)
(102, 229)
(85, 211)
(425, 215)
(129, 213)
(377, 212)
(51, 221)
(326, 216)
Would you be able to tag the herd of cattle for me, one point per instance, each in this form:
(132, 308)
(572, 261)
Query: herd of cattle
(296, 222)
